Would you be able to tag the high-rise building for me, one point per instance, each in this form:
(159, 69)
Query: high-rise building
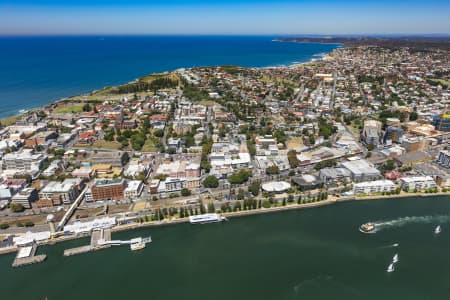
(372, 132)
(442, 122)
(393, 134)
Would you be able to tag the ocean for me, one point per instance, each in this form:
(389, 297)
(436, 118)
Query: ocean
(35, 71)
(312, 254)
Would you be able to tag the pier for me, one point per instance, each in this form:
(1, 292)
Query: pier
(27, 256)
(101, 239)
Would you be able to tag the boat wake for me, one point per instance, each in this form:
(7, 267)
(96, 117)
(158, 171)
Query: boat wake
(390, 246)
(322, 283)
(400, 222)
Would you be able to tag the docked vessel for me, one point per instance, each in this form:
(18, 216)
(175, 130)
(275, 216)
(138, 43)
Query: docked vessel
(437, 230)
(206, 218)
(367, 228)
(137, 246)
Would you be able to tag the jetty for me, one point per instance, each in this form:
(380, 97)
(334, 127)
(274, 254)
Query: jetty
(101, 239)
(27, 256)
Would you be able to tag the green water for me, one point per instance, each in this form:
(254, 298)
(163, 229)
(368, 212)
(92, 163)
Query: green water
(305, 254)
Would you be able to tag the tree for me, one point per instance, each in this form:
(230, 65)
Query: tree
(86, 107)
(254, 188)
(241, 194)
(266, 204)
(4, 226)
(158, 133)
(211, 182)
(290, 198)
(29, 224)
(239, 177)
(211, 208)
(185, 192)
(272, 170)
(161, 177)
(292, 157)
(16, 207)
(413, 116)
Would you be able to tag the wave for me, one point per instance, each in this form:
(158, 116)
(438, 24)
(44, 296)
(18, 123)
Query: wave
(439, 219)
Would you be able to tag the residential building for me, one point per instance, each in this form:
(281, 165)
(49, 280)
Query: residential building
(444, 159)
(23, 162)
(113, 158)
(373, 187)
(134, 189)
(56, 193)
(108, 189)
(417, 183)
(25, 197)
(393, 135)
(335, 175)
(40, 138)
(372, 132)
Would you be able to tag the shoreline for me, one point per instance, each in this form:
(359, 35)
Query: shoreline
(68, 98)
(238, 214)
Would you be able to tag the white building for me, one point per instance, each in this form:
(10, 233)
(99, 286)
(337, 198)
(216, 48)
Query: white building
(67, 191)
(23, 162)
(373, 187)
(361, 170)
(417, 183)
(134, 189)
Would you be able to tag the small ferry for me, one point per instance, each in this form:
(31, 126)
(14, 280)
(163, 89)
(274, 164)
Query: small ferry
(367, 228)
(438, 229)
(206, 218)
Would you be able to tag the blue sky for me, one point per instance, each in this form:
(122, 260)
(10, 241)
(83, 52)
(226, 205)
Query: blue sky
(43, 17)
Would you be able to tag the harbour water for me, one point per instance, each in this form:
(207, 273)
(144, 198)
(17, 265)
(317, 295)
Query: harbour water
(314, 254)
(35, 71)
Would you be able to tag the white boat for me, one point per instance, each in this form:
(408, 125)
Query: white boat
(137, 246)
(367, 228)
(206, 218)
(395, 258)
(390, 268)
(437, 230)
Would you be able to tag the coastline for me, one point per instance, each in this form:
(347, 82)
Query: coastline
(68, 98)
(238, 214)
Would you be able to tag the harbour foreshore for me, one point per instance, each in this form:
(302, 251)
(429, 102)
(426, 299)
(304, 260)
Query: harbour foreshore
(237, 214)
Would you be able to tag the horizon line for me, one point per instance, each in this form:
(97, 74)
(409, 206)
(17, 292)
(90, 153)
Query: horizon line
(300, 35)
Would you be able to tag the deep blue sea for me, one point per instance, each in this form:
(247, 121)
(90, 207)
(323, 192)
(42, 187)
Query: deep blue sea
(38, 70)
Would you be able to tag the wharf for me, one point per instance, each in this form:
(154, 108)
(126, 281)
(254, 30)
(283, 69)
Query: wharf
(96, 237)
(101, 239)
(30, 259)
